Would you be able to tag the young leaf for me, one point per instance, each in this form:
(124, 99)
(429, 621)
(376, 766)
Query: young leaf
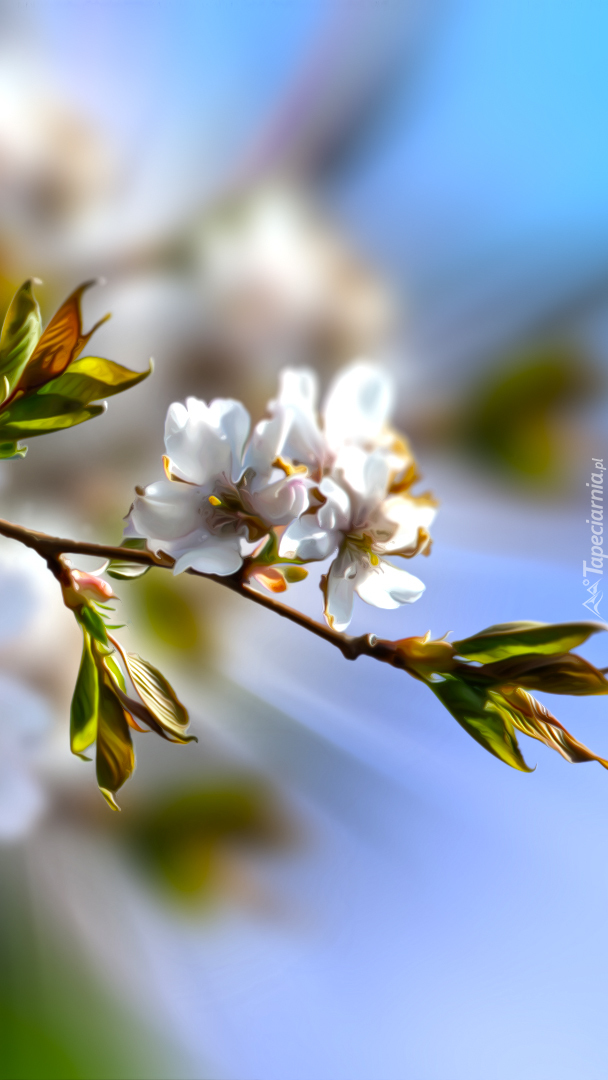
(157, 694)
(24, 410)
(115, 672)
(92, 378)
(20, 334)
(477, 713)
(125, 571)
(142, 712)
(568, 674)
(10, 450)
(93, 623)
(60, 344)
(83, 712)
(115, 759)
(514, 639)
(293, 574)
(276, 578)
(531, 717)
(423, 657)
(63, 413)
(134, 543)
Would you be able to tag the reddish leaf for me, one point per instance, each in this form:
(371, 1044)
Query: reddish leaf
(61, 342)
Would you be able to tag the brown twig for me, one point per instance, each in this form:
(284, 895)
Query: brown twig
(53, 548)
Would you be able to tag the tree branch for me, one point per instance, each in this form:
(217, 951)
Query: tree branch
(52, 548)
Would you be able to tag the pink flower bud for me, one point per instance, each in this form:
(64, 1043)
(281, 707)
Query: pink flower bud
(91, 588)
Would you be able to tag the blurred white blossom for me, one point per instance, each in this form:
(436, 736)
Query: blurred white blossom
(277, 280)
(54, 166)
(355, 413)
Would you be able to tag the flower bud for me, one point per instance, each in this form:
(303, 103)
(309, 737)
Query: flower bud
(90, 587)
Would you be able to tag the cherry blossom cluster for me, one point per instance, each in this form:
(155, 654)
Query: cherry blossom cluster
(335, 486)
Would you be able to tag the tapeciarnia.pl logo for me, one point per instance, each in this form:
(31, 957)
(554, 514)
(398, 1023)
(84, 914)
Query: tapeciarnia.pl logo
(594, 583)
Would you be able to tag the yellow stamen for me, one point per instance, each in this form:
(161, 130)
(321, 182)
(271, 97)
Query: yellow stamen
(289, 468)
(213, 499)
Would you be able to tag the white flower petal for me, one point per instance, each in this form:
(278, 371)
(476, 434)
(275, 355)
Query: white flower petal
(197, 448)
(215, 556)
(365, 473)
(340, 589)
(384, 586)
(168, 510)
(336, 512)
(281, 502)
(265, 447)
(357, 406)
(232, 421)
(299, 389)
(366, 478)
(406, 517)
(296, 404)
(305, 540)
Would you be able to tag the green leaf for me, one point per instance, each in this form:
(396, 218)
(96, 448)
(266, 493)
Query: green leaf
(125, 571)
(10, 450)
(157, 695)
(514, 639)
(559, 674)
(83, 712)
(115, 758)
(24, 410)
(20, 334)
(60, 413)
(115, 672)
(531, 717)
(478, 714)
(92, 378)
(93, 623)
(143, 713)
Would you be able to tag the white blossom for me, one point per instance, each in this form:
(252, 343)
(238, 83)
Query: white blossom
(355, 413)
(363, 522)
(275, 276)
(337, 487)
(222, 493)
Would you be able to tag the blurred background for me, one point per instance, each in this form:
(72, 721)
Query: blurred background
(335, 883)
